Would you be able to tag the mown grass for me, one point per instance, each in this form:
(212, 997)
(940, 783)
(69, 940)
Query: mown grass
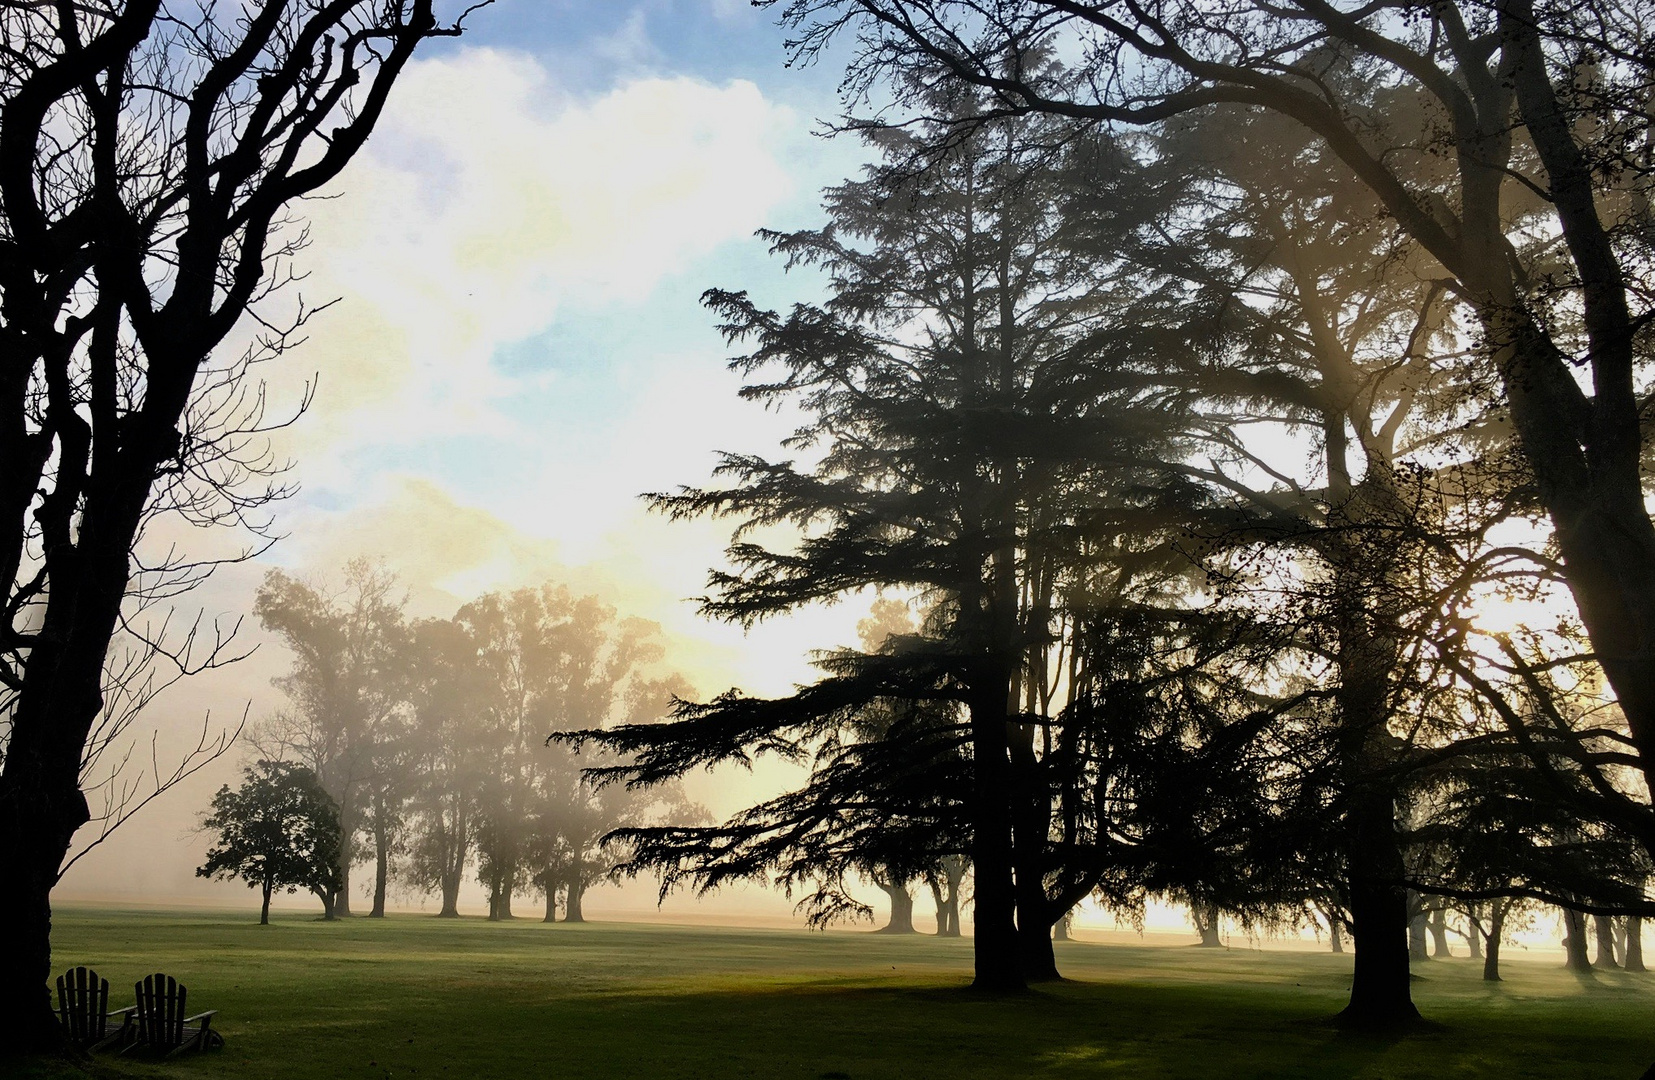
(415, 996)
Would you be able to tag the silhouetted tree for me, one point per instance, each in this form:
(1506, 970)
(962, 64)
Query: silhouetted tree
(1452, 118)
(150, 161)
(279, 832)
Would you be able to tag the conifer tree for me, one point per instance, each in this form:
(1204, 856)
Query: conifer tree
(975, 412)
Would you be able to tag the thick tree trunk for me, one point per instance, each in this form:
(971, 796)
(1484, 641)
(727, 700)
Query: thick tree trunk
(32, 843)
(1586, 453)
(998, 966)
(1060, 929)
(264, 910)
(1438, 925)
(1031, 832)
(1035, 945)
(1380, 995)
(1496, 931)
(1634, 944)
(902, 907)
(551, 903)
(499, 897)
(572, 907)
(1605, 933)
(1206, 917)
(450, 896)
(1577, 957)
(41, 803)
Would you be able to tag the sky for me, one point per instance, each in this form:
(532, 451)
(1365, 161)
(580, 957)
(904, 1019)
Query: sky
(516, 352)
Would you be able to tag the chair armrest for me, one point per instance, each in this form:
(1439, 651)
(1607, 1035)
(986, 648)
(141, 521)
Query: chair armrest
(206, 1017)
(129, 1011)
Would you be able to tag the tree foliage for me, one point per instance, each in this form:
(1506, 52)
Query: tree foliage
(279, 831)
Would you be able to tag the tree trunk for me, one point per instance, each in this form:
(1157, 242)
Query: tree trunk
(41, 803)
(1438, 925)
(499, 897)
(264, 911)
(1335, 935)
(450, 896)
(1577, 956)
(1587, 467)
(382, 856)
(902, 907)
(33, 840)
(572, 910)
(1634, 944)
(1496, 931)
(1034, 939)
(1473, 932)
(551, 901)
(1060, 929)
(998, 966)
(935, 885)
(1380, 995)
(948, 908)
(1605, 933)
(1206, 917)
(341, 905)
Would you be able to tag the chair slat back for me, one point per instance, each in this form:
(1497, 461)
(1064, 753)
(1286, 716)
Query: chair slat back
(83, 1005)
(160, 1010)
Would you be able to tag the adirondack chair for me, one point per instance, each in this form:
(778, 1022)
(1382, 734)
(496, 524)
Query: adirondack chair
(83, 1010)
(162, 1026)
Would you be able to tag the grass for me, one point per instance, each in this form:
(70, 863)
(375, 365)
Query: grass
(414, 996)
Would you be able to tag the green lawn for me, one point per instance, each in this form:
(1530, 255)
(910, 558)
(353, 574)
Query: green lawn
(418, 996)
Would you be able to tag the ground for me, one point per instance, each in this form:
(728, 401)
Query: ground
(418, 996)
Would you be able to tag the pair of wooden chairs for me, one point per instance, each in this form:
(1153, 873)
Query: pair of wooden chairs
(157, 1023)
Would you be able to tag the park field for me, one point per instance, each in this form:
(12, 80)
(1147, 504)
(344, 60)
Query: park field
(415, 996)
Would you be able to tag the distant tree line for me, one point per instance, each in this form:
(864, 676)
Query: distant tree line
(430, 737)
(1263, 549)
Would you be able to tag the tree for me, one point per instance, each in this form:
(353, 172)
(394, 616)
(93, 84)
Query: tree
(582, 824)
(446, 770)
(348, 717)
(150, 161)
(279, 831)
(987, 442)
(548, 660)
(1478, 128)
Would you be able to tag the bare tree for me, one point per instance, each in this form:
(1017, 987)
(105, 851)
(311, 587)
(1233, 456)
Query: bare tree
(149, 156)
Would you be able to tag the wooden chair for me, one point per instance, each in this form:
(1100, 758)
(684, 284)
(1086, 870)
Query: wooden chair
(83, 1010)
(162, 1026)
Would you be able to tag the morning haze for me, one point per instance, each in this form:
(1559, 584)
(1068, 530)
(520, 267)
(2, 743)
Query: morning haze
(1065, 539)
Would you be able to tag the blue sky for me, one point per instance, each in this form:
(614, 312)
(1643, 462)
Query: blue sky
(519, 350)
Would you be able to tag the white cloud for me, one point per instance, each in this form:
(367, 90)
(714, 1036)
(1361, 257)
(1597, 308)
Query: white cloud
(486, 200)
